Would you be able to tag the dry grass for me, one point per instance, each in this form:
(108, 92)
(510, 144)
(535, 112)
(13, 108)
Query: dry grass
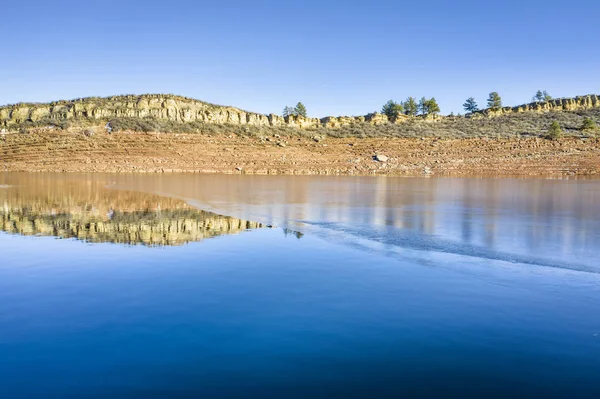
(511, 125)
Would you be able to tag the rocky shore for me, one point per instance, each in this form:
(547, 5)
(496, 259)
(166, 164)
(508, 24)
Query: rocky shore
(58, 151)
(159, 133)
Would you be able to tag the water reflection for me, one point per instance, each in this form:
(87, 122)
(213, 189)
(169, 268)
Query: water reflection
(552, 222)
(89, 212)
(555, 220)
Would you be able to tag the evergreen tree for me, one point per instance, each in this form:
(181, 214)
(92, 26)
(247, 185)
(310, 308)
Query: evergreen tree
(300, 110)
(289, 111)
(392, 109)
(470, 105)
(539, 96)
(542, 96)
(422, 107)
(432, 106)
(411, 107)
(555, 131)
(494, 101)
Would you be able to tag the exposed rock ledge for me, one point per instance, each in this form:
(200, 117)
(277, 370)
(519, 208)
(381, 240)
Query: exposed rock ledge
(163, 107)
(560, 104)
(182, 109)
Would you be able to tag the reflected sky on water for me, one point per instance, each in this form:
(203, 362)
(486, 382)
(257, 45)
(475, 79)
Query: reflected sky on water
(364, 287)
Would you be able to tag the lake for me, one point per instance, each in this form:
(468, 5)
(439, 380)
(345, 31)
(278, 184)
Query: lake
(220, 286)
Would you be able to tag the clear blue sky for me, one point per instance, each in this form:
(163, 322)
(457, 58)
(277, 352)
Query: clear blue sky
(339, 58)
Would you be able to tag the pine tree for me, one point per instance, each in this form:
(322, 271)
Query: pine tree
(288, 111)
(422, 107)
(432, 106)
(411, 107)
(542, 96)
(547, 97)
(470, 105)
(555, 131)
(300, 110)
(539, 96)
(494, 101)
(392, 109)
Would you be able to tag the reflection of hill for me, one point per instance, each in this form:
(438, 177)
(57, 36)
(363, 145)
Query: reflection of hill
(109, 216)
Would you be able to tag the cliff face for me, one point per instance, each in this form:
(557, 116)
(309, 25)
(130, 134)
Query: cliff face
(559, 104)
(163, 107)
(182, 109)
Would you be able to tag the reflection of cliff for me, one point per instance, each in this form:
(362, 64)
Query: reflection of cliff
(546, 218)
(118, 217)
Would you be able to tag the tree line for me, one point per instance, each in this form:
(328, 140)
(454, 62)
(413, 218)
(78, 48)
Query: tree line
(298, 110)
(494, 101)
(411, 107)
(425, 106)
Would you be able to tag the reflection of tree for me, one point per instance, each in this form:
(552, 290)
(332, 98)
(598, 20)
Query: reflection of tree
(297, 234)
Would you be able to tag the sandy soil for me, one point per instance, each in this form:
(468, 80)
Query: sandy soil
(169, 152)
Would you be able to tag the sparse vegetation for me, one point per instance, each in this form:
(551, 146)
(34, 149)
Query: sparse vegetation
(514, 124)
(589, 124)
(573, 123)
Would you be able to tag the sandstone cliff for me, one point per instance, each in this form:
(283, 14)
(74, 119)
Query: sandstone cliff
(182, 109)
(163, 107)
(559, 104)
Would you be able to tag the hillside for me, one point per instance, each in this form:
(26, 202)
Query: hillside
(163, 133)
(169, 113)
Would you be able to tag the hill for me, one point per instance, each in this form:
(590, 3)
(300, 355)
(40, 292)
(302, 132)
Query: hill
(165, 133)
(169, 113)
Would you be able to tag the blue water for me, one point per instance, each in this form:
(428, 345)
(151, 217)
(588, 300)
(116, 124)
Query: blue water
(351, 303)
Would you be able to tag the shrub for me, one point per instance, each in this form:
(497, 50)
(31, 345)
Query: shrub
(589, 124)
(555, 131)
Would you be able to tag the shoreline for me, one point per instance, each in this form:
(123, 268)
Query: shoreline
(521, 156)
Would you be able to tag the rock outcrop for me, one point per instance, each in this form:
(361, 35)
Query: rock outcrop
(560, 104)
(182, 109)
(163, 107)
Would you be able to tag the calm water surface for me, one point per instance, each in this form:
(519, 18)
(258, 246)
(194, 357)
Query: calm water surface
(188, 286)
